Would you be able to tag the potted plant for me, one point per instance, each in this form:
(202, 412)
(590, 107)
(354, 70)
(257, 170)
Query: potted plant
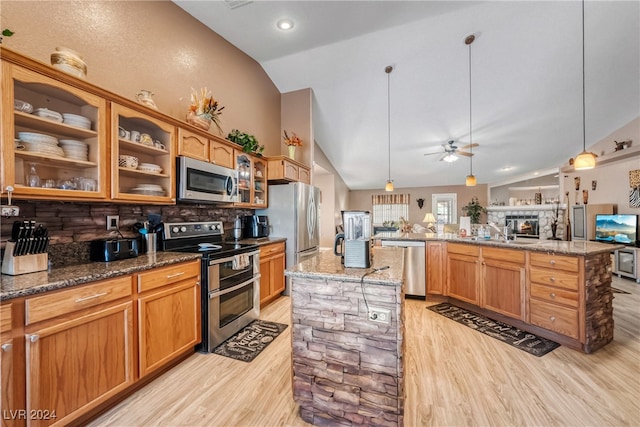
(474, 209)
(248, 142)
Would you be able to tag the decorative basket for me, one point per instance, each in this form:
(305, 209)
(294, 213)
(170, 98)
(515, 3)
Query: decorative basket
(127, 161)
(198, 121)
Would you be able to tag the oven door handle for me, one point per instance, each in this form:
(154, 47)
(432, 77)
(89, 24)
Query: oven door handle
(216, 294)
(223, 260)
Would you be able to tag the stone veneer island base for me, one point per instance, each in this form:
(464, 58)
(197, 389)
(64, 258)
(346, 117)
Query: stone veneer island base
(347, 369)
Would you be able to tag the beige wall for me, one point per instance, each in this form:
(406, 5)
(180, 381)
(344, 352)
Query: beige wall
(361, 199)
(612, 178)
(296, 117)
(154, 45)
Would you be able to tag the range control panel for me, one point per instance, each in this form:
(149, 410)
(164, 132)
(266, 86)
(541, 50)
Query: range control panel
(179, 230)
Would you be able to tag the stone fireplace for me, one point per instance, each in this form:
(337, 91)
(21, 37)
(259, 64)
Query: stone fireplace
(544, 214)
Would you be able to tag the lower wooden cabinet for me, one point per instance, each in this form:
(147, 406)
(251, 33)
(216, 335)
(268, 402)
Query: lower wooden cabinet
(7, 395)
(436, 273)
(75, 363)
(463, 272)
(272, 265)
(503, 281)
(168, 314)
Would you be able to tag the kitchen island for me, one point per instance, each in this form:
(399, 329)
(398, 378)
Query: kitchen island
(348, 369)
(559, 290)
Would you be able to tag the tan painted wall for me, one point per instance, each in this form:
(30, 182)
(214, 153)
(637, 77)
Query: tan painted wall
(154, 45)
(361, 199)
(296, 117)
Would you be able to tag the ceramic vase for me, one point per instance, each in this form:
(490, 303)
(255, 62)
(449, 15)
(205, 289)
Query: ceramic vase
(198, 121)
(292, 152)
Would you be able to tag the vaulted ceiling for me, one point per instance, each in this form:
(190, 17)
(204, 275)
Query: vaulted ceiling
(526, 79)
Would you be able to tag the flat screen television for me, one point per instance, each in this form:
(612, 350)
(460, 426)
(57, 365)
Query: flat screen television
(621, 229)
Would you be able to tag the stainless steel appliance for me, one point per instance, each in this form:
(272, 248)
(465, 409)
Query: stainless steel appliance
(414, 266)
(256, 226)
(112, 249)
(627, 263)
(293, 214)
(355, 242)
(200, 181)
(230, 278)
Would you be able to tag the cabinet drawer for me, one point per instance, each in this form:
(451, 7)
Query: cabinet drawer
(554, 295)
(457, 248)
(167, 275)
(5, 317)
(60, 303)
(555, 318)
(554, 278)
(509, 255)
(268, 250)
(557, 262)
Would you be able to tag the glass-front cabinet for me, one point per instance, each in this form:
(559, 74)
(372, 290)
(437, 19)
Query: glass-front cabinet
(53, 138)
(252, 183)
(142, 146)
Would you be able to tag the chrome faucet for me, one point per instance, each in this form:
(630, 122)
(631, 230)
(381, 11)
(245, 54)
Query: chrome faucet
(503, 233)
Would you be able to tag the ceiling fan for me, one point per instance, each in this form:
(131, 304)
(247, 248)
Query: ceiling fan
(451, 151)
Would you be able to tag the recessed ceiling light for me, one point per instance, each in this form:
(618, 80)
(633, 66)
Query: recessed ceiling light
(536, 173)
(285, 24)
(506, 168)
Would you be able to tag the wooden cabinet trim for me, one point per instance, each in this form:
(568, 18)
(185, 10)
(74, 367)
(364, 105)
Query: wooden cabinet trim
(555, 278)
(557, 262)
(164, 276)
(5, 317)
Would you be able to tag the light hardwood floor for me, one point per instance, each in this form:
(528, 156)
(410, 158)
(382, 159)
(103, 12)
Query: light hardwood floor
(455, 377)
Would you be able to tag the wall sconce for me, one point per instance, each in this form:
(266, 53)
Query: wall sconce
(420, 203)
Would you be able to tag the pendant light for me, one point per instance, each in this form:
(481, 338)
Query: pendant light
(586, 159)
(388, 69)
(471, 179)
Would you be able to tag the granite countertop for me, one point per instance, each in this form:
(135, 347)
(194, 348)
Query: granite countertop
(63, 277)
(576, 247)
(328, 266)
(261, 241)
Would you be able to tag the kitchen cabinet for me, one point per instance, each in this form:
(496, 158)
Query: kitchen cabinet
(272, 265)
(436, 268)
(252, 185)
(503, 281)
(79, 349)
(284, 170)
(200, 147)
(6, 363)
(79, 172)
(168, 314)
(554, 297)
(150, 178)
(463, 272)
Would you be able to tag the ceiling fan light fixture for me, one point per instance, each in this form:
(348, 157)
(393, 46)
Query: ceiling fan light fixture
(470, 181)
(450, 157)
(586, 159)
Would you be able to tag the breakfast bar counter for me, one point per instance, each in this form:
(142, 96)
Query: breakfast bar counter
(347, 368)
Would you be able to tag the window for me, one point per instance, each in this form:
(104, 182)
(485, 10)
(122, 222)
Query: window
(445, 208)
(389, 208)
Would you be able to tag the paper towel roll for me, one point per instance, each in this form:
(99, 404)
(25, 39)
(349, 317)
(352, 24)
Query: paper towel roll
(465, 224)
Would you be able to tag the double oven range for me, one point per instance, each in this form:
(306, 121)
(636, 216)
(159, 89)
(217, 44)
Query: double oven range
(230, 277)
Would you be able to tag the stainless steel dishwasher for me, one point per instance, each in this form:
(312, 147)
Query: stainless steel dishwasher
(414, 265)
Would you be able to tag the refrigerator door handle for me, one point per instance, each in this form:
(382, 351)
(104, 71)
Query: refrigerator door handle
(311, 216)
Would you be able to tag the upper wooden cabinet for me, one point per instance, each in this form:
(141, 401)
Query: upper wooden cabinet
(199, 147)
(252, 185)
(283, 169)
(149, 143)
(43, 113)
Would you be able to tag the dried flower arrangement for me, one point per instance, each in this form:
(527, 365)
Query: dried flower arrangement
(293, 140)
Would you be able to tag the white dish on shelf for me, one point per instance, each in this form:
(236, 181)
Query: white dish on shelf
(45, 113)
(147, 192)
(74, 143)
(37, 138)
(144, 167)
(76, 120)
(150, 187)
(22, 106)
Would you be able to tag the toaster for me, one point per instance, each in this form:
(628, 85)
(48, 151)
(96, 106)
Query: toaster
(113, 249)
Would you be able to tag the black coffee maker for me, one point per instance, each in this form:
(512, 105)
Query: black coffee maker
(255, 226)
(355, 242)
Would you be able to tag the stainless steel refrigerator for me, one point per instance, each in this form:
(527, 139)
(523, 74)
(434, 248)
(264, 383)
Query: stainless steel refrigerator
(293, 213)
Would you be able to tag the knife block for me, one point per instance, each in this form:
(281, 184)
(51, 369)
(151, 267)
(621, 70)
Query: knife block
(15, 265)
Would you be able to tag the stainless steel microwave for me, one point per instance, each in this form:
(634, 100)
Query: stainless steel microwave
(203, 182)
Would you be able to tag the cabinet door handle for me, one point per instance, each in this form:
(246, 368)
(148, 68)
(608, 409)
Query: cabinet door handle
(552, 279)
(552, 262)
(552, 318)
(171, 276)
(6, 347)
(552, 295)
(92, 297)
(34, 337)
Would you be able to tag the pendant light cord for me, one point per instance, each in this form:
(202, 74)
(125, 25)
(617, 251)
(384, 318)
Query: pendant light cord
(470, 125)
(388, 70)
(584, 127)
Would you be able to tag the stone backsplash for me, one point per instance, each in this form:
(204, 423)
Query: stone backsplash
(73, 225)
